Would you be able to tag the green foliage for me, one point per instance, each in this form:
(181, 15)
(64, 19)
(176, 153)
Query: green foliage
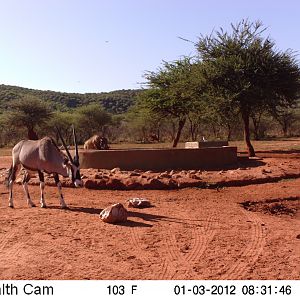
(286, 117)
(174, 88)
(28, 112)
(142, 123)
(175, 91)
(246, 71)
(92, 119)
(114, 102)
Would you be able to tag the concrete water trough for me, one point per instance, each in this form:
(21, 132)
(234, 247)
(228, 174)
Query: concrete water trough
(159, 159)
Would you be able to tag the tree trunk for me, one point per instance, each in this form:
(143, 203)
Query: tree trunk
(256, 124)
(255, 129)
(250, 148)
(228, 132)
(180, 127)
(285, 127)
(158, 134)
(193, 129)
(32, 134)
(213, 127)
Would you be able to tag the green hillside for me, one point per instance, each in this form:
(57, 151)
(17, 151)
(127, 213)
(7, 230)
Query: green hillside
(115, 102)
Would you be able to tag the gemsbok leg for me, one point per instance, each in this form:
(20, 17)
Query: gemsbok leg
(42, 187)
(61, 197)
(26, 178)
(11, 179)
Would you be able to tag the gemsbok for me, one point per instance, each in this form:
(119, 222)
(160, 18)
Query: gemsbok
(96, 142)
(43, 156)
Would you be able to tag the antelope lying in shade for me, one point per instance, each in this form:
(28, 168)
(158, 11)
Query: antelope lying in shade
(44, 156)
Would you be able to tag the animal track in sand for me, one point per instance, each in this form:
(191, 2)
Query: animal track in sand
(196, 240)
(185, 241)
(249, 255)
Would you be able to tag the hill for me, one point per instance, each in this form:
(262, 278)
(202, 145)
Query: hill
(114, 102)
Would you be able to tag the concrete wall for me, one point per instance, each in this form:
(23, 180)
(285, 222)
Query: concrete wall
(159, 159)
(205, 144)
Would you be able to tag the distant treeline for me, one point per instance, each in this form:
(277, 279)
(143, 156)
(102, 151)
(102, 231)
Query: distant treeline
(115, 102)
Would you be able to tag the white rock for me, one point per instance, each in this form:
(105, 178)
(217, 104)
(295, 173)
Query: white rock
(115, 170)
(114, 213)
(138, 203)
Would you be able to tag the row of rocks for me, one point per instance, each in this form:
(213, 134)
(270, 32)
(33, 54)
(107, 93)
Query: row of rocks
(138, 184)
(138, 180)
(116, 172)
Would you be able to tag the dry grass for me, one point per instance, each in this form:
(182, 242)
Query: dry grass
(273, 145)
(5, 151)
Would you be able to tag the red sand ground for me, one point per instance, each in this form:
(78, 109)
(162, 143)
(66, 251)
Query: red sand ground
(245, 232)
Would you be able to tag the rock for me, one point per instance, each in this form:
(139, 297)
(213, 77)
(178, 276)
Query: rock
(115, 184)
(95, 184)
(194, 176)
(115, 170)
(115, 213)
(98, 176)
(164, 175)
(192, 172)
(264, 171)
(138, 203)
(176, 176)
(172, 184)
(155, 184)
(189, 184)
(132, 174)
(131, 184)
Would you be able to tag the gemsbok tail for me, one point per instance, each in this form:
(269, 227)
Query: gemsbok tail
(10, 176)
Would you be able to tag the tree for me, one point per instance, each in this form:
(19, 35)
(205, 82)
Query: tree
(29, 112)
(92, 119)
(247, 72)
(143, 122)
(63, 121)
(174, 91)
(286, 118)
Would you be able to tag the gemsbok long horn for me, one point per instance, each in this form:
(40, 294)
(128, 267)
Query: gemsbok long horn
(76, 158)
(65, 146)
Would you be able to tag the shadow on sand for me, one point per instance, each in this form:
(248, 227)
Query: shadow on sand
(86, 210)
(135, 214)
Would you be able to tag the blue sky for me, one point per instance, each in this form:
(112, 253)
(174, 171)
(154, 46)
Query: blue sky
(96, 46)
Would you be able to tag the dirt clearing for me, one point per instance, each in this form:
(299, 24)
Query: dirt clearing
(188, 234)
